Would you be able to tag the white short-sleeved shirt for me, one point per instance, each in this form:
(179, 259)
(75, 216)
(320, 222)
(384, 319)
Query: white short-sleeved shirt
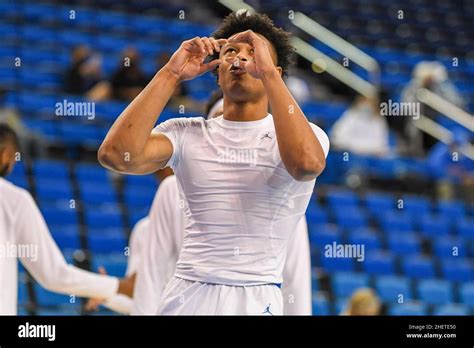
(240, 201)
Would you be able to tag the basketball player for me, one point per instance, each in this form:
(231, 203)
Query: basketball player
(245, 179)
(24, 236)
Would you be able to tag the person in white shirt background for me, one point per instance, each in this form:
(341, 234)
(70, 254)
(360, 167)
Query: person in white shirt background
(23, 229)
(245, 178)
(157, 249)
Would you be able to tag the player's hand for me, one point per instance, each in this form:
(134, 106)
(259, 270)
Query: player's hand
(188, 61)
(262, 61)
(93, 303)
(126, 285)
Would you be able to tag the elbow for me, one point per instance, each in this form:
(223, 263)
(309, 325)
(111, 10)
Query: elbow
(111, 158)
(308, 168)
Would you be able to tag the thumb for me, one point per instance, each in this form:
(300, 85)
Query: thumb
(102, 270)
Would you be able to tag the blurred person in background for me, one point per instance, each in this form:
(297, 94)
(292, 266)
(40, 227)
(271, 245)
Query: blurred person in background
(453, 171)
(129, 79)
(361, 129)
(363, 302)
(84, 75)
(433, 76)
(23, 229)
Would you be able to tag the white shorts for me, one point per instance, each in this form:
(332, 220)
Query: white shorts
(186, 297)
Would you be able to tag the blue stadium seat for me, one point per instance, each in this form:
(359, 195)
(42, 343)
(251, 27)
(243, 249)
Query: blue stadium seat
(434, 291)
(451, 209)
(91, 193)
(320, 304)
(376, 202)
(450, 247)
(91, 173)
(408, 308)
(344, 284)
(366, 237)
(106, 242)
(316, 215)
(50, 169)
(457, 269)
(434, 225)
(395, 222)
(416, 204)
(48, 298)
(341, 198)
(103, 219)
(451, 309)
(59, 214)
(418, 267)
(350, 217)
(465, 227)
(138, 196)
(379, 263)
(334, 264)
(466, 293)
(405, 244)
(66, 238)
(322, 235)
(389, 288)
(49, 189)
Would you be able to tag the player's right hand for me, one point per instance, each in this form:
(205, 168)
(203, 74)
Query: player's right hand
(188, 61)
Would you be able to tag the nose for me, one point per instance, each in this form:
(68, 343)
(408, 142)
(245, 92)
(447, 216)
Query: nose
(242, 57)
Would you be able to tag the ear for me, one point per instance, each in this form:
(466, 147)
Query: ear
(280, 70)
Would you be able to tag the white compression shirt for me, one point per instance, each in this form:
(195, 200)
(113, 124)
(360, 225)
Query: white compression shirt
(24, 236)
(161, 244)
(240, 201)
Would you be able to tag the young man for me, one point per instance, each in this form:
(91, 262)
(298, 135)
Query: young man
(23, 229)
(245, 179)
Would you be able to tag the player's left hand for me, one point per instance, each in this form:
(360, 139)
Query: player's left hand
(262, 62)
(94, 303)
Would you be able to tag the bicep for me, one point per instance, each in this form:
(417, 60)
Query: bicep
(156, 154)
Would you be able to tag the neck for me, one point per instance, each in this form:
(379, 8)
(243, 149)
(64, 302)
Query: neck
(245, 111)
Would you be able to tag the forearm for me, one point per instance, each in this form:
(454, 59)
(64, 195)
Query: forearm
(129, 134)
(299, 148)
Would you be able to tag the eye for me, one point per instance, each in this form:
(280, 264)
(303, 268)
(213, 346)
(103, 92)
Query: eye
(230, 49)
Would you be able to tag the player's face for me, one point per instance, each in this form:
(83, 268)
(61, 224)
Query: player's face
(237, 84)
(7, 160)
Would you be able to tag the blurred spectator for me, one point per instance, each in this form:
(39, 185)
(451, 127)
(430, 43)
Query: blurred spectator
(298, 87)
(361, 129)
(84, 75)
(363, 302)
(453, 171)
(433, 76)
(129, 79)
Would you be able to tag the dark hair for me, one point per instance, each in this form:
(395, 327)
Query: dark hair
(213, 99)
(263, 25)
(8, 135)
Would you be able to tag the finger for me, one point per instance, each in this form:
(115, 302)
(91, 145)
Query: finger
(199, 44)
(215, 44)
(222, 42)
(102, 270)
(211, 65)
(208, 44)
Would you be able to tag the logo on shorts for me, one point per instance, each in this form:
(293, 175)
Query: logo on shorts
(267, 310)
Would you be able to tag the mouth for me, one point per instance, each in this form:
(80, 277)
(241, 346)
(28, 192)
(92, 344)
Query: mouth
(235, 70)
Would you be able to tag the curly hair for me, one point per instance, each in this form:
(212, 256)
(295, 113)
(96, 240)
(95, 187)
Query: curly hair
(237, 22)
